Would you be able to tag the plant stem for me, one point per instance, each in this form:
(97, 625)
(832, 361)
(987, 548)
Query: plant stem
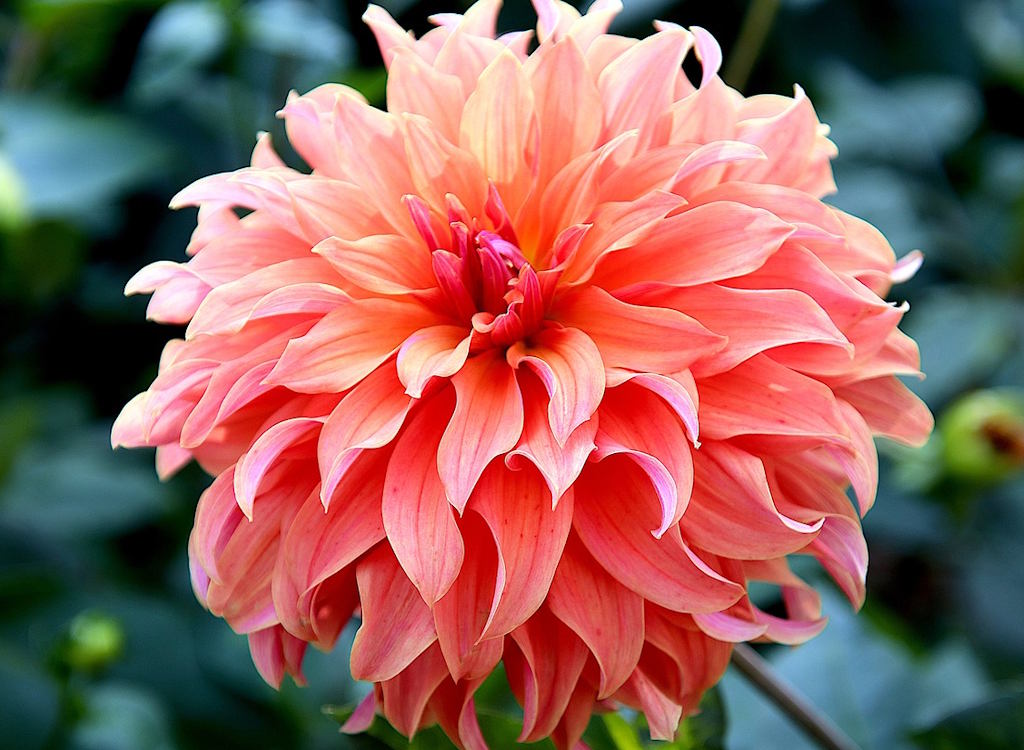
(753, 33)
(801, 711)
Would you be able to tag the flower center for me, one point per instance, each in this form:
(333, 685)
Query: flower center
(484, 278)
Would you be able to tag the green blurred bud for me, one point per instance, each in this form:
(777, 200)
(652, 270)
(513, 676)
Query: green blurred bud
(983, 435)
(13, 211)
(94, 641)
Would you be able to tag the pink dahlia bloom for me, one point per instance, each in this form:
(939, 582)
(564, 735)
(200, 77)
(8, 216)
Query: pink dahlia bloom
(542, 365)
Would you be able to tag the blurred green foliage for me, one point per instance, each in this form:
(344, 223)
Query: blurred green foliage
(107, 107)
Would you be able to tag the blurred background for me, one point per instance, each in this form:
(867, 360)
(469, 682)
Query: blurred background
(108, 107)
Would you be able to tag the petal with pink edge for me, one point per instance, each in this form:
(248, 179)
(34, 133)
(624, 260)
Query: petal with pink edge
(462, 613)
(721, 240)
(406, 694)
(529, 535)
(348, 344)
(890, 409)
(369, 416)
(614, 510)
(487, 422)
(417, 516)
(550, 663)
(558, 464)
(604, 613)
(638, 424)
(649, 339)
(569, 365)
(397, 626)
(437, 351)
(732, 512)
(384, 263)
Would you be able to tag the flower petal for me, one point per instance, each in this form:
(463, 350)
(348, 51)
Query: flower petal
(348, 344)
(570, 367)
(732, 512)
(487, 422)
(650, 339)
(462, 613)
(613, 516)
(552, 658)
(437, 351)
(384, 263)
(529, 535)
(369, 416)
(397, 626)
(558, 464)
(890, 409)
(604, 613)
(417, 516)
(722, 240)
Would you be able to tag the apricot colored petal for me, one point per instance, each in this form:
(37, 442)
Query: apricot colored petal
(703, 167)
(650, 339)
(732, 512)
(569, 365)
(529, 535)
(385, 264)
(437, 351)
(860, 459)
(722, 240)
(795, 150)
(605, 614)
(369, 416)
(890, 409)
(637, 88)
(228, 307)
(617, 225)
(453, 706)
(306, 299)
(663, 714)
(170, 459)
(320, 543)
(179, 291)
(406, 694)
(462, 613)
(244, 555)
(397, 626)
(636, 423)
(841, 550)
(678, 390)
(277, 653)
(264, 452)
(215, 521)
(568, 106)
(363, 716)
(438, 167)
(760, 397)
(390, 36)
(487, 422)
(754, 320)
(613, 514)
(729, 628)
(418, 88)
(495, 125)
(417, 516)
(552, 658)
(348, 344)
(558, 464)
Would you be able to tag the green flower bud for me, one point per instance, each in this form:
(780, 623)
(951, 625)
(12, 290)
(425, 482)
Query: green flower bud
(983, 435)
(94, 641)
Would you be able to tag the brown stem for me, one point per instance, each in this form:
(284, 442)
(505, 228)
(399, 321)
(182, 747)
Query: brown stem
(801, 711)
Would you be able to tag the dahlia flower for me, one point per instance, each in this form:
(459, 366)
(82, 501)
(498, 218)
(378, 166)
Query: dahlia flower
(542, 365)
